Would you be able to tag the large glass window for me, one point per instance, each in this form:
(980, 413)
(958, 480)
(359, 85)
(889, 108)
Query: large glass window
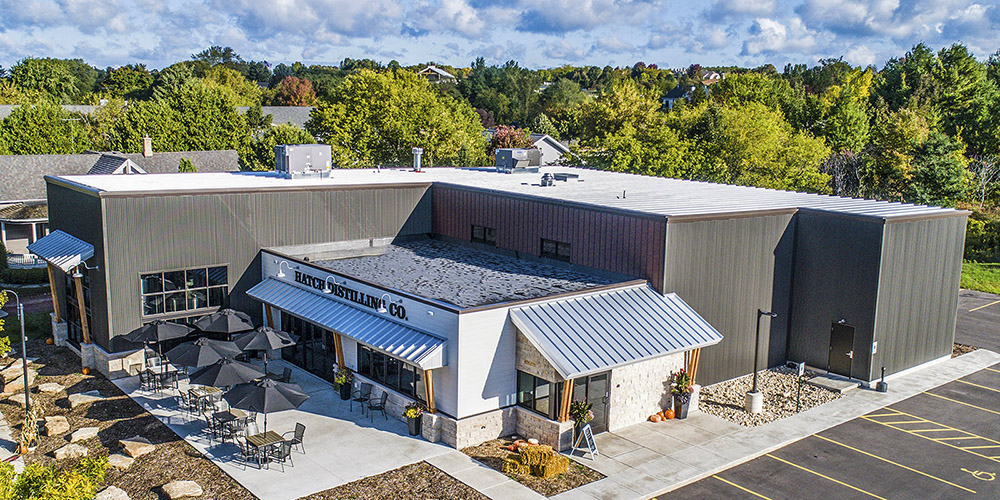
(191, 289)
(394, 373)
(537, 394)
(556, 250)
(487, 235)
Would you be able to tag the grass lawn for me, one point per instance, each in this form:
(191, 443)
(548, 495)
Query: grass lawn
(36, 325)
(981, 277)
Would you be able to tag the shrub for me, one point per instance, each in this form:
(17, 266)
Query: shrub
(3, 256)
(43, 482)
(37, 276)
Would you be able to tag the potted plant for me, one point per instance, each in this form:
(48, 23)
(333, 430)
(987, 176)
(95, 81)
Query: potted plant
(581, 413)
(342, 379)
(681, 390)
(412, 413)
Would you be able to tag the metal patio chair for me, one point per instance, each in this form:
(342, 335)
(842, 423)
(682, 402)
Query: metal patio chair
(378, 405)
(362, 396)
(297, 435)
(282, 453)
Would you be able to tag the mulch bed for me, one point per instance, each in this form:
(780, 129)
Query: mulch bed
(118, 417)
(419, 481)
(491, 453)
(960, 349)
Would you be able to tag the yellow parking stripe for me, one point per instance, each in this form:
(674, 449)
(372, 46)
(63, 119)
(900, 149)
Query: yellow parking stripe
(962, 403)
(966, 436)
(992, 370)
(977, 385)
(985, 305)
(754, 493)
(855, 488)
(894, 463)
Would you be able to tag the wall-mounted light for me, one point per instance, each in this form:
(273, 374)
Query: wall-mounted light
(430, 313)
(285, 262)
(326, 284)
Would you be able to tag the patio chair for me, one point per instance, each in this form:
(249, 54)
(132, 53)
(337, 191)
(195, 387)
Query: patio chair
(152, 380)
(298, 433)
(362, 396)
(251, 429)
(282, 453)
(144, 382)
(286, 375)
(378, 405)
(247, 452)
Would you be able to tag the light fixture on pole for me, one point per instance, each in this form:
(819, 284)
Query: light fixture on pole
(385, 298)
(285, 262)
(754, 399)
(326, 284)
(24, 349)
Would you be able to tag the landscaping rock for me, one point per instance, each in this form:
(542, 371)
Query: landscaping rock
(84, 398)
(120, 461)
(17, 399)
(779, 386)
(70, 451)
(56, 425)
(83, 434)
(51, 388)
(137, 446)
(182, 489)
(13, 379)
(112, 493)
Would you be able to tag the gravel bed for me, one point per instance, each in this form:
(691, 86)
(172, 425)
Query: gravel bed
(960, 349)
(491, 454)
(419, 481)
(779, 385)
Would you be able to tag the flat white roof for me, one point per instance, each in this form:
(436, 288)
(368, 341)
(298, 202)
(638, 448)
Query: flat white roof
(614, 190)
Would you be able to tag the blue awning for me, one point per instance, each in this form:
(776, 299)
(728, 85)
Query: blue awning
(593, 333)
(62, 250)
(413, 346)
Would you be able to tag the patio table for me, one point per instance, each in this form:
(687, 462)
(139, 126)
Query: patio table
(263, 441)
(226, 419)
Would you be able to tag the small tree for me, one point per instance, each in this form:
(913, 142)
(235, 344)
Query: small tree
(186, 166)
(985, 176)
(509, 137)
(294, 91)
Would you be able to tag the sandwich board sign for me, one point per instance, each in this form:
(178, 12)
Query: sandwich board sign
(587, 435)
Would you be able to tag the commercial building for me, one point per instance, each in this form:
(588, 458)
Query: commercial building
(497, 298)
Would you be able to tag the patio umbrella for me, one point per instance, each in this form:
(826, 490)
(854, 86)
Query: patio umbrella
(157, 332)
(225, 321)
(264, 338)
(265, 396)
(225, 372)
(202, 352)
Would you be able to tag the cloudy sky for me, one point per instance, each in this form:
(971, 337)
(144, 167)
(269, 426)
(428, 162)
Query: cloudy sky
(536, 33)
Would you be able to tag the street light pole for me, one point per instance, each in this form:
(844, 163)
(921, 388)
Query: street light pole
(24, 349)
(754, 400)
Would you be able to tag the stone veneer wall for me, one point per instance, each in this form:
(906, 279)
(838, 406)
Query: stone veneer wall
(558, 435)
(394, 406)
(529, 360)
(641, 389)
(469, 431)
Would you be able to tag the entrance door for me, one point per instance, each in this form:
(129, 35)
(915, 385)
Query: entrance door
(594, 390)
(841, 349)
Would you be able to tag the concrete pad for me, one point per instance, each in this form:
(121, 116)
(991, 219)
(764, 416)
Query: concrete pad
(638, 457)
(610, 444)
(480, 477)
(833, 382)
(511, 490)
(452, 461)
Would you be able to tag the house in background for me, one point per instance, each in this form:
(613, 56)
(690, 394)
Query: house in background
(551, 148)
(435, 74)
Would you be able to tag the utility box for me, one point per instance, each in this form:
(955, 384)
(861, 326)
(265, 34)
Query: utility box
(510, 160)
(298, 161)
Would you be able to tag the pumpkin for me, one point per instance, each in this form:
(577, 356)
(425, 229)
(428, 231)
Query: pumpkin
(50, 341)
(668, 414)
(664, 417)
(86, 370)
(654, 418)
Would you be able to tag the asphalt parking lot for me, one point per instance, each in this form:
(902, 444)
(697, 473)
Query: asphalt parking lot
(941, 444)
(978, 321)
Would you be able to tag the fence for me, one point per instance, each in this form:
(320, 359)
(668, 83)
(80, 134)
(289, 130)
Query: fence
(24, 261)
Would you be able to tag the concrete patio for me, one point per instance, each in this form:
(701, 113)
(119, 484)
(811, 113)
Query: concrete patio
(340, 445)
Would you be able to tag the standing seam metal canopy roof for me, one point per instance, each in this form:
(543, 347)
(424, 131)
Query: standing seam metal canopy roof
(594, 333)
(62, 250)
(422, 349)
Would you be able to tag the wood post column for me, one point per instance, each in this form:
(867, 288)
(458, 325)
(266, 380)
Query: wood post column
(567, 398)
(338, 344)
(269, 315)
(429, 390)
(55, 296)
(78, 280)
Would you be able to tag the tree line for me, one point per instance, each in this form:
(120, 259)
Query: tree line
(925, 128)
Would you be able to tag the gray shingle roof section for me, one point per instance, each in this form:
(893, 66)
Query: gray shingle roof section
(590, 334)
(422, 349)
(62, 250)
(463, 276)
(296, 115)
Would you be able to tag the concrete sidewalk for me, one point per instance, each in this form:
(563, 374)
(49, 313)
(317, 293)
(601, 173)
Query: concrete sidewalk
(648, 459)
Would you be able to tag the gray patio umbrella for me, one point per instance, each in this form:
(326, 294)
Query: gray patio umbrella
(264, 338)
(202, 352)
(265, 396)
(226, 321)
(225, 372)
(157, 332)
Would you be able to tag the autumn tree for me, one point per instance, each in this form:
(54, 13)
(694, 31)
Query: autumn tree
(506, 136)
(294, 91)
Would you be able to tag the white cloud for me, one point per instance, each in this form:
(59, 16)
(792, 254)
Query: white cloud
(861, 55)
(561, 50)
(736, 9)
(561, 16)
(449, 15)
(611, 45)
(769, 36)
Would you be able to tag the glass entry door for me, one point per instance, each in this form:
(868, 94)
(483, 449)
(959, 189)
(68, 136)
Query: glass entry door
(314, 351)
(594, 389)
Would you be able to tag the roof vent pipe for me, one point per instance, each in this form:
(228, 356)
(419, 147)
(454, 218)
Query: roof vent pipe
(416, 158)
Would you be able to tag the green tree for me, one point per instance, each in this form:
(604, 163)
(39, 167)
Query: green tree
(262, 148)
(48, 77)
(171, 79)
(622, 105)
(241, 91)
(129, 82)
(376, 118)
(543, 125)
(939, 172)
(43, 129)
(186, 166)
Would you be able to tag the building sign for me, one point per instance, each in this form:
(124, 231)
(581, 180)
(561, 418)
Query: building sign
(350, 294)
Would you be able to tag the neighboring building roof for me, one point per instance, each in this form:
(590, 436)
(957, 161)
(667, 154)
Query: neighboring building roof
(112, 164)
(463, 276)
(62, 250)
(436, 70)
(414, 346)
(678, 92)
(22, 177)
(548, 139)
(296, 115)
(24, 212)
(585, 335)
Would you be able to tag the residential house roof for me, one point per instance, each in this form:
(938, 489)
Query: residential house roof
(24, 212)
(296, 115)
(436, 70)
(113, 164)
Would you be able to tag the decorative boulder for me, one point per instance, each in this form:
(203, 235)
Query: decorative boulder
(182, 489)
(112, 493)
(84, 398)
(70, 451)
(83, 433)
(15, 382)
(137, 446)
(51, 388)
(120, 461)
(56, 425)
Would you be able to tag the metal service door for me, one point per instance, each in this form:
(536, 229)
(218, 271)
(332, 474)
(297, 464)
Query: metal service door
(841, 349)
(595, 390)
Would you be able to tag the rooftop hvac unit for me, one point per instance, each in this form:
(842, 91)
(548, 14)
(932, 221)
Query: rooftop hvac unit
(518, 160)
(298, 161)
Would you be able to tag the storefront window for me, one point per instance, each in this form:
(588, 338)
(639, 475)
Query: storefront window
(556, 250)
(184, 290)
(394, 373)
(536, 394)
(487, 235)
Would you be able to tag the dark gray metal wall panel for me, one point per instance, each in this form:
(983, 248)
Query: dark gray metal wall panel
(918, 292)
(835, 277)
(154, 233)
(79, 214)
(726, 270)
